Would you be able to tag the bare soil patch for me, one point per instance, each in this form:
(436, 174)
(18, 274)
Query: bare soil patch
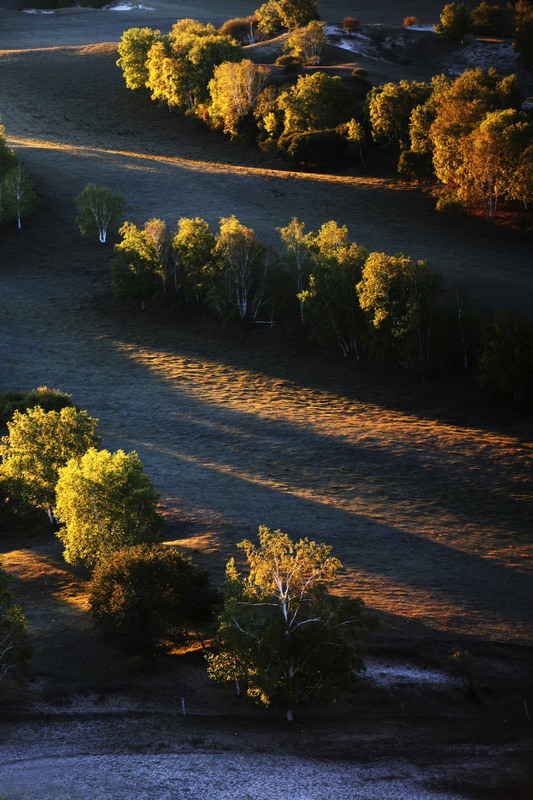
(423, 490)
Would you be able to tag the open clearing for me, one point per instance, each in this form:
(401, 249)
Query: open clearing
(424, 490)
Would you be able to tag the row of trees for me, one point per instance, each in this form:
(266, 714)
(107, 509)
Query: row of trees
(467, 133)
(327, 287)
(18, 198)
(277, 627)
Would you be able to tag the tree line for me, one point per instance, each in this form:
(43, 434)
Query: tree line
(275, 628)
(468, 135)
(319, 286)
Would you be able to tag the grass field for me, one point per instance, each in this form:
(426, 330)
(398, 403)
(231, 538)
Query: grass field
(424, 490)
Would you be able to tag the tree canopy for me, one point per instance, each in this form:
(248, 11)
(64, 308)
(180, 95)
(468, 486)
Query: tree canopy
(281, 631)
(106, 502)
(98, 209)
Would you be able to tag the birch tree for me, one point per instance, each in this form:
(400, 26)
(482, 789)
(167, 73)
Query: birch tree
(37, 445)
(18, 198)
(98, 209)
(106, 502)
(234, 90)
(281, 632)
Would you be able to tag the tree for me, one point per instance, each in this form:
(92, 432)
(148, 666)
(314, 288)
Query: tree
(281, 631)
(138, 264)
(99, 208)
(399, 296)
(8, 159)
(316, 102)
(18, 198)
(242, 29)
(106, 502)
(15, 651)
(299, 260)
(48, 399)
(234, 89)
(297, 13)
(330, 301)
(193, 248)
(506, 359)
(455, 21)
(268, 18)
(523, 33)
(237, 279)
(38, 444)
(489, 20)
(496, 161)
(390, 107)
(351, 25)
(133, 51)
(149, 599)
(306, 44)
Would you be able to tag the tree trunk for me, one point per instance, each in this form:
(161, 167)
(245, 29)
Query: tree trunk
(289, 715)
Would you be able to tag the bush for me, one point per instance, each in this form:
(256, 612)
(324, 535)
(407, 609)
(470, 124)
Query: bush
(242, 29)
(326, 148)
(351, 25)
(48, 399)
(148, 599)
(289, 63)
(416, 166)
(490, 20)
(409, 22)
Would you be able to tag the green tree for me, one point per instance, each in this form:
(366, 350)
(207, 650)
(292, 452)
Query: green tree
(506, 359)
(234, 90)
(306, 44)
(99, 208)
(455, 21)
(316, 102)
(149, 599)
(133, 51)
(330, 301)
(18, 198)
(167, 77)
(48, 399)
(497, 161)
(297, 13)
(489, 20)
(138, 269)
(399, 295)
(390, 107)
(15, 651)
(298, 257)
(8, 159)
(523, 33)
(38, 444)
(281, 631)
(193, 247)
(106, 502)
(269, 18)
(236, 282)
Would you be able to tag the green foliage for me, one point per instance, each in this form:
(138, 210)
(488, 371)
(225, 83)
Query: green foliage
(48, 399)
(133, 51)
(390, 107)
(234, 90)
(506, 358)
(139, 261)
(316, 102)
(315, 148)
(330, 302)
(15, 651)
(18, 198)
(281, 631)
(39, 443)
(306, 44)
(106, 502)
(237, 280)
(297, 13)
(99, 208)
(8, 159)
(147, 600)
(193, 248)
(268, 18)
(399, 296)
(455, 21)
(523, 33)
(489, 20)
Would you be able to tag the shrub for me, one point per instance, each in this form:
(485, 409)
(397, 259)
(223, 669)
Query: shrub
(351, 25)
(409, 22)
(316, 148)
(48, 399)
(148, 600)
(242, 29)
